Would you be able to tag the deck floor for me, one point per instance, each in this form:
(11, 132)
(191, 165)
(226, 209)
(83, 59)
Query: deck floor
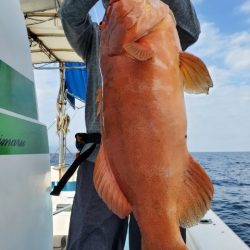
(59, 242)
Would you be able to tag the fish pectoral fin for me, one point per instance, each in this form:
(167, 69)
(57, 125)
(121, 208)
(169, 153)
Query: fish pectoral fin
(196, 200)
(108, 188)
(196, 78)
(138, 51)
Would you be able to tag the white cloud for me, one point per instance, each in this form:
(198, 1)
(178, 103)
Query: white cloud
(220, 76)
(245, 7)
(238, 59)
(238, 56)
(221, 120)
(210, 42)
(224, 54)
(241, 39)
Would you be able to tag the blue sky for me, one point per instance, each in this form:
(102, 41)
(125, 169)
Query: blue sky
(221, 120)
(217, 122)
(228, 15)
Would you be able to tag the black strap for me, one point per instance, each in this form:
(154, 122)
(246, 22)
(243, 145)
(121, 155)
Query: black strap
(88, 137)
(60, 185)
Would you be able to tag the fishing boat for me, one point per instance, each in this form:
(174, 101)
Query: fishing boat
(30, 218)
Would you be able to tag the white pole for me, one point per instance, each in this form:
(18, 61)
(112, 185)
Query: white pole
(61, 114)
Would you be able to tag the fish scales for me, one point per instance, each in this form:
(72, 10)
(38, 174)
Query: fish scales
(144, 165)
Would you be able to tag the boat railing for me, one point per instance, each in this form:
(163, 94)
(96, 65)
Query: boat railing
(68, 207)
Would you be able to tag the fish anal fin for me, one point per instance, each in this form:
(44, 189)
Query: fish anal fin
(108, 188)
(196, 200)
(196, 78)
(139, 51)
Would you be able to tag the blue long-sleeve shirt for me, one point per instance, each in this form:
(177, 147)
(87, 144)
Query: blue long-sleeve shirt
(84, 37)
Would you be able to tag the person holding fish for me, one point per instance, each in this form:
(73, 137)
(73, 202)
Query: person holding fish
(93, 226)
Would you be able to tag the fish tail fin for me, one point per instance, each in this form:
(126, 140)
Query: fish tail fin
(107, 186)
(196, 78)
(196, 200)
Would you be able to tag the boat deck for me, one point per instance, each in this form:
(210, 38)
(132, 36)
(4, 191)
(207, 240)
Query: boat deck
(210, 234)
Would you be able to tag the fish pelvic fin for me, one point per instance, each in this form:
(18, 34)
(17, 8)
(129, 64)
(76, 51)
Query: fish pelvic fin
(138, 51)
(196, 200)
(108, 188)
(196, 78)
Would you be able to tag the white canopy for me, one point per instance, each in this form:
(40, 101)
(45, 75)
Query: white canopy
(47, 39)
(38, 5)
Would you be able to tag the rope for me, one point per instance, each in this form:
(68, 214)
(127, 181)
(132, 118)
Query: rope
(63, 123)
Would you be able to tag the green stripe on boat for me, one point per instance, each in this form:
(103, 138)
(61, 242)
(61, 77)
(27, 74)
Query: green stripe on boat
(17, 93)
(19, 136)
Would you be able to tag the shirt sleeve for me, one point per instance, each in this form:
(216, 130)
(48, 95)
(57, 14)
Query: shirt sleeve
(79, 28)
(188, 25)
(77, 24)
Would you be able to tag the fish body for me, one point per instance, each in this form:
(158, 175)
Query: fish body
(144, 165)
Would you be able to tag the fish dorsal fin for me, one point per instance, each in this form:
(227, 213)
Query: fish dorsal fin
(138, 51)
(108, 188)
(195, 201)
(196, 78)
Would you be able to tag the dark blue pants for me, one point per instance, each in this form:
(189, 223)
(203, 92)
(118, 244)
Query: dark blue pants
(92, 225)
(134, 234)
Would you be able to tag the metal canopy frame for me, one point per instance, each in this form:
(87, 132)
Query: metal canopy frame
(48, 44)
(47, 39)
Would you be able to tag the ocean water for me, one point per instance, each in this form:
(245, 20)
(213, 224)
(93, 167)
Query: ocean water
(230, 174)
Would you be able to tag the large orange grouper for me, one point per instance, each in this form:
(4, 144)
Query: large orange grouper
(143, 165)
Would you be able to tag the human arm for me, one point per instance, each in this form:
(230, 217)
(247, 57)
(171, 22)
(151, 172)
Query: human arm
(188, 25)
(77, 24)
(79, 28)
